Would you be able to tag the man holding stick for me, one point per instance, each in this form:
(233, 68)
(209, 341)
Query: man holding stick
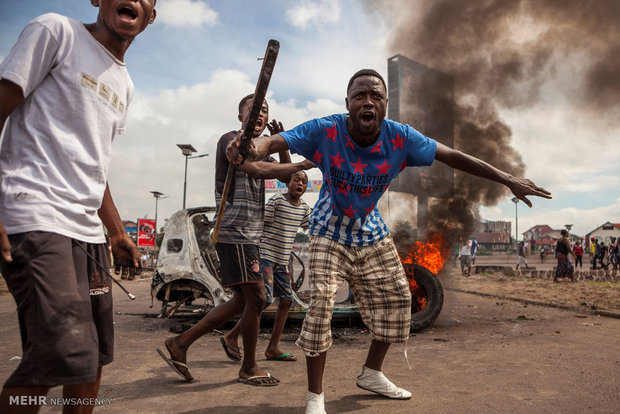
(359, 154)
(237, 248)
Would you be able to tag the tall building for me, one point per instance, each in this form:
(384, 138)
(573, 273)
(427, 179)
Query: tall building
(423, 98)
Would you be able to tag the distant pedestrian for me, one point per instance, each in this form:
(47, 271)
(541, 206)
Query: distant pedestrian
(614, 252)
(594, 249)
(465, 256)
(564, 267)
(532, 245)
(600, 255)
(474, 250)
(578, 252)
(522, 257)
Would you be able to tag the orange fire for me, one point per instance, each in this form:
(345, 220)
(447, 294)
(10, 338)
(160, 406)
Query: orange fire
(432, 254)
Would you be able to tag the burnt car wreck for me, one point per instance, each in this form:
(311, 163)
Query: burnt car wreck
(188, 270)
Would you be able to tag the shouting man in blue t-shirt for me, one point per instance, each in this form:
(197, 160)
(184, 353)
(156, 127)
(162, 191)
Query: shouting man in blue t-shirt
(359, 154)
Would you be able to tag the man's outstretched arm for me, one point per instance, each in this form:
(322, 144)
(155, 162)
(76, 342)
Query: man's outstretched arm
(520, 187)
(261, 147)
(268, 170)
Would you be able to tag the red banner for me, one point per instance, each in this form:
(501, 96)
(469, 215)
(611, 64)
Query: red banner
(146, 233)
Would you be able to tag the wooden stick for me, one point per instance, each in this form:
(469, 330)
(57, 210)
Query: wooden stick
(269, 62)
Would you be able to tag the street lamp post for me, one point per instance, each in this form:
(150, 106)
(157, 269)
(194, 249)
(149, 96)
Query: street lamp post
(516, 201)
(157, 196)
(187, 151)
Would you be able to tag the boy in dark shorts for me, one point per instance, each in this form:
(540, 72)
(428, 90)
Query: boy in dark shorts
(284, 215)
(65, 90)
(237, 248)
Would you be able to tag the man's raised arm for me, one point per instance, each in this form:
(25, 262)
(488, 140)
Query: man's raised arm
(520, 187)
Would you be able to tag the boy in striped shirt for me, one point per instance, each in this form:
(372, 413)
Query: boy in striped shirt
(284, 214)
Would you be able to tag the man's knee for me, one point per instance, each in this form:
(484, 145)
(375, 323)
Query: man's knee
(254, 295)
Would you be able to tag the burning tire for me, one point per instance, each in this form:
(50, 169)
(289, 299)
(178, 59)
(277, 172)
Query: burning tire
(426, 296)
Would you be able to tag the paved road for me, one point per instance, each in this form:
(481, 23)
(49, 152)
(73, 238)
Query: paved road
(482, 356)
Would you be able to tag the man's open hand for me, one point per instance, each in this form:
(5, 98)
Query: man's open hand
(522, 187)
(275, 127)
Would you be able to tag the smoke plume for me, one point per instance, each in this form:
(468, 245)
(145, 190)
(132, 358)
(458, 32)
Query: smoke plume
(501, 54)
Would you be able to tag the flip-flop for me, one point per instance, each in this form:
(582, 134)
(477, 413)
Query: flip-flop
(255, 380)
(283, 357)
(173, 364)
(230, 349)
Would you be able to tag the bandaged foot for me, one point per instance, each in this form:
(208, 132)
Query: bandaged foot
(315, 403)
(375, 381)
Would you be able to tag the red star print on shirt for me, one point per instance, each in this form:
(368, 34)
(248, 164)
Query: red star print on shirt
(377, 148)
(350, 212)
(331, 133)
(383, 168)
(403, 165)
(398, 142)
(368, 192)
(344, 190)
(318, 157)
(369, 209)
(349, 143)
(336, 160)
(358, 167)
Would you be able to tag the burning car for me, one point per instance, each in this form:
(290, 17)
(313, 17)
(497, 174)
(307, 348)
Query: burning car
(188, 269)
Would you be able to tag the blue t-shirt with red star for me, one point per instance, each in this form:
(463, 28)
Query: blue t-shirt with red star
(354, 178)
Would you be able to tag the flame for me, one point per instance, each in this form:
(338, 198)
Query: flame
(418, 293)
(432, 254)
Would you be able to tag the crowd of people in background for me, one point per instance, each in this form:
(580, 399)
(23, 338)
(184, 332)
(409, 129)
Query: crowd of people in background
(603, 255)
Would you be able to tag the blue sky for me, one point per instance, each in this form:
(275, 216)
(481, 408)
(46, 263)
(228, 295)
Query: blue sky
(198, 59)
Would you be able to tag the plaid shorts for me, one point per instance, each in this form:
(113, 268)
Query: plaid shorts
(377, 280)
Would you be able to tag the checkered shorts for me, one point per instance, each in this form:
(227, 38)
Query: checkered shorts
(377, 280)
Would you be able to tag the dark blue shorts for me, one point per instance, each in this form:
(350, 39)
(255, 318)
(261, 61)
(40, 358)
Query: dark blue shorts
(277, 281)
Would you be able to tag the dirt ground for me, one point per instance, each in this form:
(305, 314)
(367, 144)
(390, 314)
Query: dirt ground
(496, 347)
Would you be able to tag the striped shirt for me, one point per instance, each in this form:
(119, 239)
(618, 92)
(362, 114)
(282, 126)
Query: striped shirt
(282, 219)
(243, 217)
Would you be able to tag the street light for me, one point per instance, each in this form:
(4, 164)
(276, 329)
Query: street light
(157, 196)
(187, 151)
(516, 201)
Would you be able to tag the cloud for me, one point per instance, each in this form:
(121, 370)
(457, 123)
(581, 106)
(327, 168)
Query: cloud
(308, 12)
(147, 158)
(562, 149)
(186, 13)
